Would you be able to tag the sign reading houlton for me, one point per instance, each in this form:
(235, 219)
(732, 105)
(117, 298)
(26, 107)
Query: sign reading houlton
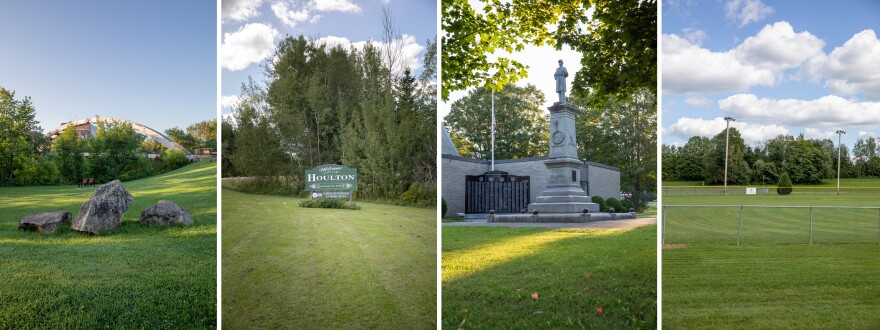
(331, 177)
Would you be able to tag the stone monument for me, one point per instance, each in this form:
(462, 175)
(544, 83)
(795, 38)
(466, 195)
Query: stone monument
(563, 193)
(563, 200)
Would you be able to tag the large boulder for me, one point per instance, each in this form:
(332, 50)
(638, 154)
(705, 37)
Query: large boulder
(166, 213)
(103, 212)
(45, 223)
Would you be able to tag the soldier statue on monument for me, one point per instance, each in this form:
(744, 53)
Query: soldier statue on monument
(560, 75)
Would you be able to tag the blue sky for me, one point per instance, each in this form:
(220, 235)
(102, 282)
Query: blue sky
(152, 62)
(775, 66)
(252, 28)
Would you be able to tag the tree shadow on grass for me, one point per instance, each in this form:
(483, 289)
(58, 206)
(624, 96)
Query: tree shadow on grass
(622, 280)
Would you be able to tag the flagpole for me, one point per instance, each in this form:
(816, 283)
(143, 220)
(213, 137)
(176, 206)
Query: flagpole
(493, 130)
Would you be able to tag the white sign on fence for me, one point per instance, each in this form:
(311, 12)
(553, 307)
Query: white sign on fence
(751, 191)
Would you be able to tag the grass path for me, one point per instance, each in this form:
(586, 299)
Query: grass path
(291, 267)
(134, 277)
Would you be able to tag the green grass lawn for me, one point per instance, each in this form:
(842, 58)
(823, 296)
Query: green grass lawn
(799, 286)
(290, 267)
(490, 274)
(134, 277)
(774, 279)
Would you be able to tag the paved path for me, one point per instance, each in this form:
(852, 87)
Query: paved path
(607, 224)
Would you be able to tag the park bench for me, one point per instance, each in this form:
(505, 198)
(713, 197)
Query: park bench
(86, 182)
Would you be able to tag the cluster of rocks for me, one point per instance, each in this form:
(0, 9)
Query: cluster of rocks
(103, 213)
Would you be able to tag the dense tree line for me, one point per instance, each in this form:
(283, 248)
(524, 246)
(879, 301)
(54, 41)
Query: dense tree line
(521, 124)
(325, 104)
(805, 161)
(117, 151)
(622, 132)
(196, 136)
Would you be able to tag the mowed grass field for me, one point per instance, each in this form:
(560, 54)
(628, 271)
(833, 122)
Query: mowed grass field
(762, 286)
(774, 279)
(135, 277)
(582, 278)
(300, 268)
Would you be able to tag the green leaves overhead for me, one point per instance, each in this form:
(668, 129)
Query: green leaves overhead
(618, 41)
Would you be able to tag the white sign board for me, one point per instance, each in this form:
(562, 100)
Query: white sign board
(751, 191)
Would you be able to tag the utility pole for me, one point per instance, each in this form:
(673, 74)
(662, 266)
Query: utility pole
(726, 150)
(839, 133)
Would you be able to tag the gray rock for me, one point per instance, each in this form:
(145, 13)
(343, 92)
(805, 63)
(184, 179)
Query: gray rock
(45, 223)
(166, 213)
(104, 210)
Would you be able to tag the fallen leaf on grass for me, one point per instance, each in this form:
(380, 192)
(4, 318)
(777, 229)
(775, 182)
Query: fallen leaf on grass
(598, 310)
(586, 276)
(587, 289)
(520, 289)
(464, 310)
(535, 295)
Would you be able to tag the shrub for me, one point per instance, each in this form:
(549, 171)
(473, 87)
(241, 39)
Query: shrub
(602, 206)
(627, 204)
(443, 207)
(422, 194)
(175, 158)
(784, 185)
(614, 203)
(328, 203)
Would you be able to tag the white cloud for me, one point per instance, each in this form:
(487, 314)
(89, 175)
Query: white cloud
(228, 101)
(698, 101)
(411, 48)
(747, 11)
(761, 60)
(690, 68)
(778, 47)
(816, 133)
(251, 44)
(852, 68)
(825, 112)
(695, 36)
(687, 127)
(866, 134)
(240, 10)
(336, 5)
(289, 16)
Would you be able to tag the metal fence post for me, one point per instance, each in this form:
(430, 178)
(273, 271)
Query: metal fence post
(739, 228)
(811, 225)
(663, 229)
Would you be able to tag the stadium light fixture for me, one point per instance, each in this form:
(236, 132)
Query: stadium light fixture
(839, 133)
(726, 150)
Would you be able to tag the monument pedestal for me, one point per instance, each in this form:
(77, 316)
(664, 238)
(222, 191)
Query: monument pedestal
(563, 193)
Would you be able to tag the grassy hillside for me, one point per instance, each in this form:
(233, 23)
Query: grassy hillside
(134, 277)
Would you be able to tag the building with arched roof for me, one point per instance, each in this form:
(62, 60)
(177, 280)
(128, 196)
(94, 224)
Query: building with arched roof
(87, 128)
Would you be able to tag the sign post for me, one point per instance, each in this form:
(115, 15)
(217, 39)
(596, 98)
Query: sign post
(331, 181)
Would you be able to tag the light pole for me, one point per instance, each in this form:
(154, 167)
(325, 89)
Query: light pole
(726, 149)
(839, 133)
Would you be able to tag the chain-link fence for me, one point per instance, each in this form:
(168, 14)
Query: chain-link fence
(738, 190)
(744, 224)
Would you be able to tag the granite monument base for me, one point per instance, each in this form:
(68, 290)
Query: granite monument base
(559, 217)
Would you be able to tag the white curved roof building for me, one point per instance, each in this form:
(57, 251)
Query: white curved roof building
(86, 128)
